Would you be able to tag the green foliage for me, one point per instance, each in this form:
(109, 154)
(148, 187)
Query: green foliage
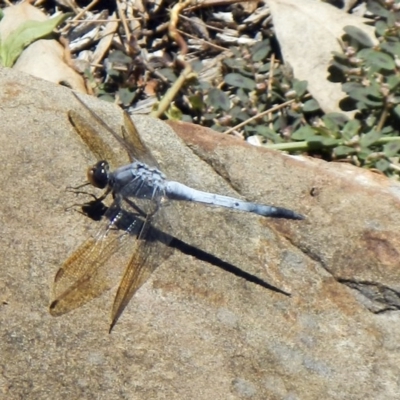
(24, 35)
(370, 77)
(261, 95)
(248, 88)
(120, 78)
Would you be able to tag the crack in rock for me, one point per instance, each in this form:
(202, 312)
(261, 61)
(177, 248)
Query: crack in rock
(376, 297)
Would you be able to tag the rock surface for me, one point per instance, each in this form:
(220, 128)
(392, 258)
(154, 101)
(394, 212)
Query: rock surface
(194, 331)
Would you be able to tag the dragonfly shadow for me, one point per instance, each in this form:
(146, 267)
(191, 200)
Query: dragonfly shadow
(96, 210)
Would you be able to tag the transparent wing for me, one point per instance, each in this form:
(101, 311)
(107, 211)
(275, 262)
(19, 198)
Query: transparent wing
(151, 250)
(85, 275)
(131, 140)
(135, 146)
(91, 138)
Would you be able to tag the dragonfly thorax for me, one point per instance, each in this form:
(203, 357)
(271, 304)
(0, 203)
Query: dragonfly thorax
(137, 180)
(99, 174)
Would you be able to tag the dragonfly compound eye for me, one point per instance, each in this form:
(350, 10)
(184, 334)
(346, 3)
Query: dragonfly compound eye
(99, 174)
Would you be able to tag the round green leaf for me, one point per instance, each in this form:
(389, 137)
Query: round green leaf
(169, 74)
(303, 133)
(382, 164)
(370, 138)
(219, 100)
(300, 87)
(260, 50)
(391, 149)
(268, 133)
(351, 129)
(391, 47)
(377, 59)
(311, 105)
(240, 81)
(359, 35)
(126, 96)
(196, 102)
(377, 9)
(381, 27)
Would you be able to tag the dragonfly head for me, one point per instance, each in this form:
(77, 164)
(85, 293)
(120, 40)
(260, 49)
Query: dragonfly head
(99, 174)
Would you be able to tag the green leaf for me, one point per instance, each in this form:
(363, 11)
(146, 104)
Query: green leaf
(240, 81)
(264, 68)
(370, 138)
(377, 9)
(196, 102)
(393, 19)
(363, 154)
(303, 133)
(359, 35)
(343, 151)
(393, 81)
(323, 131)
(351, 129)
(362, 96)
(260, 50)
(382, 164)
(377, 59)
(268, 133)
(242, 95)
(174, 113)
(242, 116)
(219, 100)
(245, 71)
(126, 96)
(311, 105)
(209, 116)
(24, 35)
(119, 57)
(348, 87)
(392, 149)
(330, 123)
(234, 63)
(381, 27)
(336, 118)
(300, 87)
(391, 47)
(388, 131)
(204, 86)
(169, 74)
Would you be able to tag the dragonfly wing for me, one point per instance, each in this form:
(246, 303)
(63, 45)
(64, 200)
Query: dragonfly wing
(151, 250)
(91, 138)
(135, 146)
(85, 274)
(131, 140)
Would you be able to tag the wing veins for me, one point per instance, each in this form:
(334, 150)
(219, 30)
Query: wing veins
(82, 277)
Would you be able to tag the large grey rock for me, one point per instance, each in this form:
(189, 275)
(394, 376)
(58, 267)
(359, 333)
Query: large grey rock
(194, 330)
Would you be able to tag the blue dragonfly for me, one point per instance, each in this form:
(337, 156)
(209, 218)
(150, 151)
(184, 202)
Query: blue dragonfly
(137, 218)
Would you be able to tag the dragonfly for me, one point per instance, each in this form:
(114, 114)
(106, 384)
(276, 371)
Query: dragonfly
(138, 218)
